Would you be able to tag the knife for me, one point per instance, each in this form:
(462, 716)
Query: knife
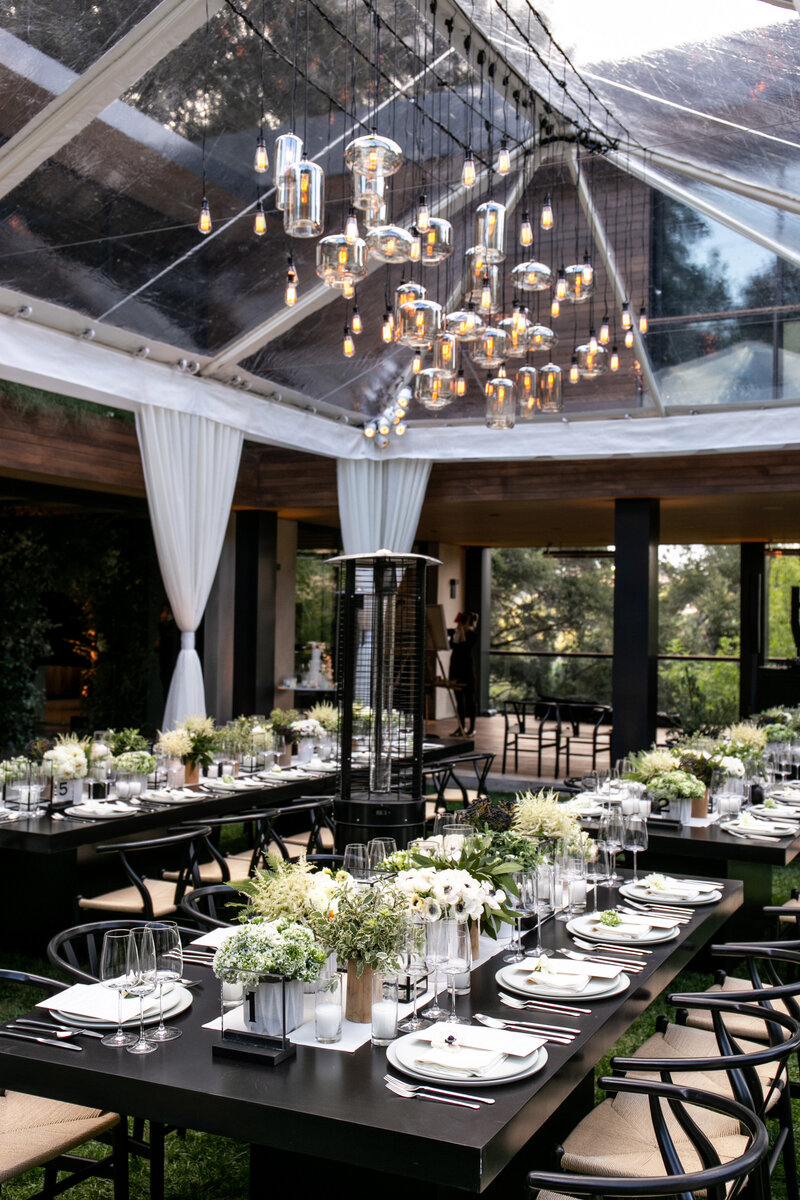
(32, 1037)
(45, 1025)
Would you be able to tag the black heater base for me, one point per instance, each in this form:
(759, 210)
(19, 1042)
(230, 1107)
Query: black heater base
(369, 815)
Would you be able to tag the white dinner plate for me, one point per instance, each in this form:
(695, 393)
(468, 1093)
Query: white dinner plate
(774, 829)
(635, 891)
(584, 927)
(115, 809)
(400, 1054)
(175, 1002)
(596, 989)
(177, 798)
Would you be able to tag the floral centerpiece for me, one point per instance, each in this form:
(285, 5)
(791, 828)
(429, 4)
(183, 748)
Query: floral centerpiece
(68, 757)
(676, 785)
(278, 948)
(542, 816)
(193, 741)
(282, 721)
(121, 741)
(136, 762)
(325, 715)
(293, 891)
(648, 764)
(307, 727)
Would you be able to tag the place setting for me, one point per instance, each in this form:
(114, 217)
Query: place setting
(748, 826)
(611, 927)
(658, 889)
(480, 1057)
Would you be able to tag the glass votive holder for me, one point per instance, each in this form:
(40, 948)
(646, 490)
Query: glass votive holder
(576, 889)
(728, 804)
(123, 785)
(328, 1009)
(384, 1009)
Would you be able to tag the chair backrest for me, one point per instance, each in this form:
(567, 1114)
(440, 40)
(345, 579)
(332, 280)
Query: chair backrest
(516, 714)
(188, 841)
(718, 1180)
(317, 808)
(480, 764)
(77, 950)
(25, 977)
(762, 960)
(208, 906)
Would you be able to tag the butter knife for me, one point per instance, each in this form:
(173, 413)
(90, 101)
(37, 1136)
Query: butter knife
(32, 1037)
(45, 1025)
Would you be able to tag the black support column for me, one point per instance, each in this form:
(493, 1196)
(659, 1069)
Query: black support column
(478, 598)
(752, 623)
(635, 667)
(254, 612)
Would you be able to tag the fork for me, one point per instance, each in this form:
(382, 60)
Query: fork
(401, 1091)
(568, 1010)
(617, 949)
(561, 1037)
(598, 958)
(628, 911)
(56, 1030)
(659, 908)
(424, 1087)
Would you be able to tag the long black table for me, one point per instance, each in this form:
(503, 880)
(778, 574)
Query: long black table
(325, 1118)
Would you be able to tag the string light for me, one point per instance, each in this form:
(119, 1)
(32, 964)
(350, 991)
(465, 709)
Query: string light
(290, 295)
(525, 231)
(555, 307)
(561, 284)
(485, 303)
(546, 219)
(587, 272)
(416, 363)
(415, 249)
(369, 430)
(628, 338)
(468, 172)
(400, 428)
(261, 161)
(642, 320)
(423, 215)
(204, 220)
(613, 362)
(625, 316)
(504, 158)
(348, 345)
(573, 369)
(461, 384)
(593, 341)
(259, 221)
(384, 427)
(355, 324)
(351, 227)
(348, 289)
(387, 329)
(605, 331)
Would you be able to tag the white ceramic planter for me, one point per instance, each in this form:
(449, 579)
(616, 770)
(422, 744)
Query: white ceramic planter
(266, 1007)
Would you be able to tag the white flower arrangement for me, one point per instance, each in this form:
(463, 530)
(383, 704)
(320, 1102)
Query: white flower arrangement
(174, 743)
(68, 759)
(13, 768)
(196, 724)
(746, 737)
(136, 762)
(307, 727)
(433, 894)
(654, 762)
(541, 815)
(731, 766)
(327, 716)
(273, 948)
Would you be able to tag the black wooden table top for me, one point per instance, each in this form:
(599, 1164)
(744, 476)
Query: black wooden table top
(712, 842)
(334, 1105)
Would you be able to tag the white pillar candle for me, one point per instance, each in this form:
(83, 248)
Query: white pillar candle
(328, 1022)
(384, 1020)
(577, 893)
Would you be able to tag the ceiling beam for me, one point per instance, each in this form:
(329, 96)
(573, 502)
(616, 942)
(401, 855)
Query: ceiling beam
(729, 183)
(169, 24)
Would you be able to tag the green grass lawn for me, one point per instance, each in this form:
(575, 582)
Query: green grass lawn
(201, 1165)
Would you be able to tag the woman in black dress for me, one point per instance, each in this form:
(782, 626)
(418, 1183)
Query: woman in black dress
(462, 668)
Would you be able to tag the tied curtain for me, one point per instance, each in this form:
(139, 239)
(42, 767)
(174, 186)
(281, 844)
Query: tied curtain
(380, 502)
(190, 468)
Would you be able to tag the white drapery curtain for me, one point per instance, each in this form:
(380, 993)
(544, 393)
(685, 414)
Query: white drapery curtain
(190, 468)
(380, 502)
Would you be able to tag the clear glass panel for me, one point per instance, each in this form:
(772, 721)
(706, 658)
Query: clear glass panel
(74, 38)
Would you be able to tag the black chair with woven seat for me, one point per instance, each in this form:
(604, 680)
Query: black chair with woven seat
(588, 731)
(615, 1138)
(531, 726)
(684, 1163)
(152, 898)
(314, 813)
(209, 906)
(35, 1132)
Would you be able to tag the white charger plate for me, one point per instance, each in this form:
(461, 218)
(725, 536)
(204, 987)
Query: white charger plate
(775, 829)
(584, 927)
(80, 810)
(596, 989)
(635, 891)
(400, 1055)
(175, 1002)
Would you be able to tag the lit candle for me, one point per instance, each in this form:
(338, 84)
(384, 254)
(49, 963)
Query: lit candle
(328, 1022)
(384, 1020)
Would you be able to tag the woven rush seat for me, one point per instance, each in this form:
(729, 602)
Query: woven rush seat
(34, 1130)
(738, 1026)
(152, 898)
(129, 900)
(683, 1041)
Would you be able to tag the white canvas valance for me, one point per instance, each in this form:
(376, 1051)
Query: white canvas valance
(190, 468)
(380, 502)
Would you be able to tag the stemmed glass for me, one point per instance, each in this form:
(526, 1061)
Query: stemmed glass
(413, 944)
(539, 878)
(523, 905)
(114, 975)
(356, 862)
(142, 979)
(458, 962)
(169, 968)
(635, 840)
(436, 954)
(610, 837)
(453, 838)
(379, 849)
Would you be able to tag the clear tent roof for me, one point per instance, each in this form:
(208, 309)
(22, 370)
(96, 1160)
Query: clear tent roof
(106, 224)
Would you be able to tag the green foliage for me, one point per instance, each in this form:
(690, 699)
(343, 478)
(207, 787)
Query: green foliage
(364, 926)
(783, 574)
(26, 573)
(125, 741)
(315, 599)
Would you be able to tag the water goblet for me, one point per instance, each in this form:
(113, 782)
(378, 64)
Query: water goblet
(142, 980)
(610, 834)
(523, 904)
(538, 878)
(379, 849)
(356, 862)
(436, 952)
(458, 962)
(114, 975)
(413, 943)
(635, 839)
(169, 968)
(453, 838)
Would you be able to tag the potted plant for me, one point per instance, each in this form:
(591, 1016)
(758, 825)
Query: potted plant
(680, 789)
(267, 958)
(69, 765)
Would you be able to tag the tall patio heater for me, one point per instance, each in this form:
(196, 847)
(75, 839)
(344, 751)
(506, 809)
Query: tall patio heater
(380, 673)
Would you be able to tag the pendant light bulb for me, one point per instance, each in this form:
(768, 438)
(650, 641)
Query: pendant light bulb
(369, 430)
(487, 387)
(356, 324)
(625, 316)
(486, 295)
(259, 221)
(546, 219)
(423, 215)
(519, 320)
(416, 363)
(613, 362)
(261, 161)
(386, 328)
(348, 345)
(587, 272)
(642, 320)
(628, 339)
(348, 290)
(415, 249)
(593, 343)
(605, 332)
(525, 231)
(468, 172)
(461, 384)
(504, 158)
(384, 428)
(555, 307)
(290, 295)
(204, 220)
(573, 370)
(351, 228)
(561, 285)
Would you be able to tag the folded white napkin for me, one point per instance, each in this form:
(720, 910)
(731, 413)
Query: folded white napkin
(651, 922)
(480, 1037)
(658, 885)
(627, 928)
(570, 966)
(460, 1060)
(559, 981)
(98, 1002)
(746, 823)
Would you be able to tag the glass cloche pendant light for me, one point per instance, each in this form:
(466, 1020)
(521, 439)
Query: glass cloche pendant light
(373, 155)
(304, 214)
(526, 390)
(420, 323)
(436, 242)
(406, 291)
(518, 333)
(464, 323)
(490, 350)
(433, 389)
(368, 191)
(288, 151)
(490, 231)
(542, 337)
(591, 363)
(389, 243)
(445, 353)
(501, 403)
(578, 289)
(532, 276)
(548, 389)
(340, 262)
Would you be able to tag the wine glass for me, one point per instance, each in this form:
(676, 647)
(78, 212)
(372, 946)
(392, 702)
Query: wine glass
(413, 942)
(635, 840)
(436, 951)
(169, 968)
(453, 838)
(356, 862)
(457, 962)
(114, 975)
(610, 837)
(539, 879)
(523, 905)
(142, 979)
(379, 849)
